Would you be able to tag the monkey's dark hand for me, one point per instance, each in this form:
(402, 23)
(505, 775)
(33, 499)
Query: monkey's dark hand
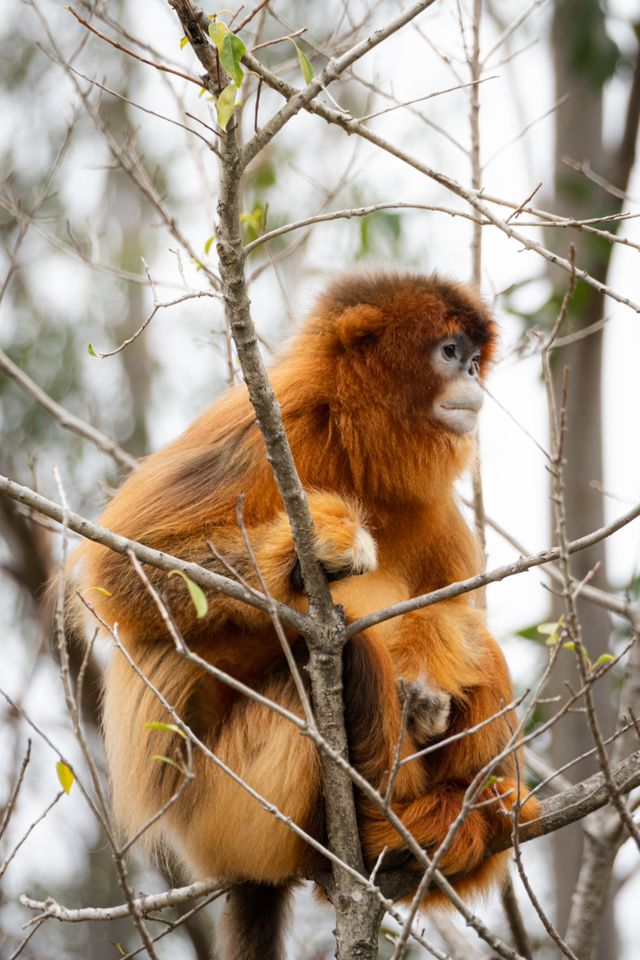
(343, 545)
(332, 575)
(428, 709)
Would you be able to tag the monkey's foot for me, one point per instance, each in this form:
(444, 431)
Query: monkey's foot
(428, 709)
(343, 544)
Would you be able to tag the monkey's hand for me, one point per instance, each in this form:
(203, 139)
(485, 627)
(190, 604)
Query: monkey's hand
(343, 545)
(427, 709)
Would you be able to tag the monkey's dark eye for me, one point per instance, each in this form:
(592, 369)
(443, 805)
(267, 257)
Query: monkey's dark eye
(449, 350)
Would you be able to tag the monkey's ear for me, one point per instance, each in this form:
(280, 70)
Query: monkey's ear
(356, 325)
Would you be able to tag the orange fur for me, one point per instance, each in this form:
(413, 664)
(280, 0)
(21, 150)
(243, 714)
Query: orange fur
(357, 389)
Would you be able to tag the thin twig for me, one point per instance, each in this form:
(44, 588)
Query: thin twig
(132, 53)
(194, 295)
(7, 813)
(428, 96)
(476, 200)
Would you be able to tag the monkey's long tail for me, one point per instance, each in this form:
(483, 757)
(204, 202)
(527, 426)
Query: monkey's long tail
(254, 922)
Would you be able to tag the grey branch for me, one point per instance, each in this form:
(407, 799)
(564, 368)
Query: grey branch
(625, 608)
(475, 199)
(205, 578)
(155, 558)
(556, 812)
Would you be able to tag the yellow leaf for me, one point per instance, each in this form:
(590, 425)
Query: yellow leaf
(170, 727)
(226, 104)
(105, 593)
(552, 630)
(604, 658)
(195, 592)
(548, 628)
(217, 31)
(65, 775)
(168, 760)
(184, 42)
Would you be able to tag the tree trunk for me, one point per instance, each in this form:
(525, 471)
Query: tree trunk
(583, 59)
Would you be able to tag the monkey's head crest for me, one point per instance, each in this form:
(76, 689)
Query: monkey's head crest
(405, 315)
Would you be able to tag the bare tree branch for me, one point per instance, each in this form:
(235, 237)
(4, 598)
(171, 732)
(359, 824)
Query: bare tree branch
(67, 420)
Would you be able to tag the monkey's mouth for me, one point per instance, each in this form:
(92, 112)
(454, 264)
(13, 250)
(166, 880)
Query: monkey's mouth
(470, 406)
(459, 417)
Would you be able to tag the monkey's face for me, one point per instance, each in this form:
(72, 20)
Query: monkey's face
(456, 361)
(405, 350)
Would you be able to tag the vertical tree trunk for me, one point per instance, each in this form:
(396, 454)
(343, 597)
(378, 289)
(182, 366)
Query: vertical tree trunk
(583, 59)
(135, 359)
(584, 508)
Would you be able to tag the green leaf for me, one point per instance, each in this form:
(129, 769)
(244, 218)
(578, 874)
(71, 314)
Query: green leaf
(207, 245)
(571, 647)
(195, 592)
(172, 763)
(225, 105)
(551, 631)
(65, 775)
(169, 727)
(604, 658)
(255, 221)
(491, 781)
(91, 351)
(305, 64)
(232, 51)
(217, 32)
(529, 633)
(184, 42)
